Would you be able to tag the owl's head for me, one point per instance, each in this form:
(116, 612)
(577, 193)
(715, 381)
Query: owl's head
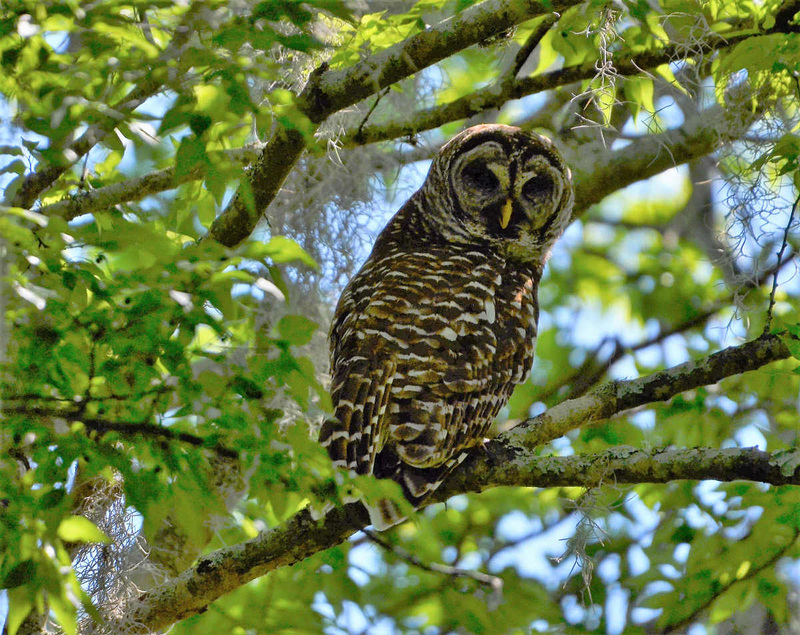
(501, 186)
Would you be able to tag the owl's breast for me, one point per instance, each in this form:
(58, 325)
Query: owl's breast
(517, 317)
(451, 320)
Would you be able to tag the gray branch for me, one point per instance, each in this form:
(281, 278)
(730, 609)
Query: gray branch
(508, 460)
(136, 189)
(502, 91)
(329, 91)
(598, 171)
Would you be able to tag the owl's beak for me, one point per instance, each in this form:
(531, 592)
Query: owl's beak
(505, 215)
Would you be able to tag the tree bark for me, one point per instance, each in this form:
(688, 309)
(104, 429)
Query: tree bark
(509, 460)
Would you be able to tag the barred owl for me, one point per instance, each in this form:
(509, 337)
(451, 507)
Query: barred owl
(431, 336)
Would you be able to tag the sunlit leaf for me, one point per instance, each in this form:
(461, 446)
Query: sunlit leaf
(80, 529)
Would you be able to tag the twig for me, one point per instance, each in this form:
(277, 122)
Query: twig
(591, 371)
(138, 428)
(372, 108)
(612, 398)
(492, 581)
(680, 625)
(531, 43)
(784, 243)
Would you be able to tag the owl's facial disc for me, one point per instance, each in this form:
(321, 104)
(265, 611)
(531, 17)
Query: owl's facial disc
(481, 184)
(539, 188)
(504, 196)
(500, 187)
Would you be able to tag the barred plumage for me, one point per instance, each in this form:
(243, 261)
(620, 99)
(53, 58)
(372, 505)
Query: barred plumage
(431, 336)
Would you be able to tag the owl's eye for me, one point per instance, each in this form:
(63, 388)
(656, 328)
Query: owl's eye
(479, 175)
(538, 186)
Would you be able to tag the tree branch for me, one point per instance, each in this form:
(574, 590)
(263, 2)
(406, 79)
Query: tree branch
(617, 396)
(691, 613)
(624, 464)
(598, 171)
(136, 189)
(229, 568)
(593, 369)
(102, 426)
(148, 85)
(329, 91)
(492, 581)
(510, 461)
(502, 91)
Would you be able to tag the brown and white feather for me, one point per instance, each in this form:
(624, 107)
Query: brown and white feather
(430, 338)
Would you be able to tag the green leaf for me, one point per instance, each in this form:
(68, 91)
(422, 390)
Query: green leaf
(80, 529)
(20, 605)
(190, 157)
(789, 462)
(22, 573)
(178, 115)
(198, 124)
(280, 250)
(296, 329)
(792, 342)
(65, 612)
(639, 92)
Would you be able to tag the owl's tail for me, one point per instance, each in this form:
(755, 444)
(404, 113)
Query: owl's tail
(349, 447)
(417, 483)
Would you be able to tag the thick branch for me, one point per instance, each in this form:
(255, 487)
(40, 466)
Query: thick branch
(329, 91)
(229, 568)
(300, 537)
(502, 91)
(599, 172)
(630, 465)
(339, 89)
(511, 461)
(268, 173)
(514, 466)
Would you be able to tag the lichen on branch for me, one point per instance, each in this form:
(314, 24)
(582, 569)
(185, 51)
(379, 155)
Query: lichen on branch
(509, 460)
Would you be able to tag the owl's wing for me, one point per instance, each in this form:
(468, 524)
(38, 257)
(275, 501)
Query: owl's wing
(361, 391)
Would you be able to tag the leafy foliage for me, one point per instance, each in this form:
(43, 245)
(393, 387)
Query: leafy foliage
(141, 359)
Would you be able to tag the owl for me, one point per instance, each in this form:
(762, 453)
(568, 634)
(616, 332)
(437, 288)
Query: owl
(439, 325)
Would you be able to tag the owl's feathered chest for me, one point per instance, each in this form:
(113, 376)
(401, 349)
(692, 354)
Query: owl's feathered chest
(459, 312)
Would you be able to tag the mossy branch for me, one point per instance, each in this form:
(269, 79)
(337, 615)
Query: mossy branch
(508, 460)
(598, 171)
(329, 91)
